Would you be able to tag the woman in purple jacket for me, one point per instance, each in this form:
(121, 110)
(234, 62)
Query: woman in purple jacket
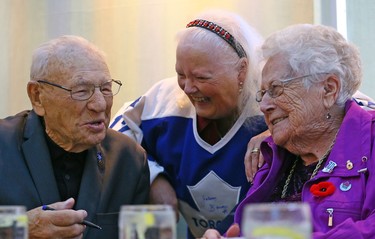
(321, 145)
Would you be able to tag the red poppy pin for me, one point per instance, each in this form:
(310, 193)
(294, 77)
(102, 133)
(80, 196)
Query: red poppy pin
(322, 189)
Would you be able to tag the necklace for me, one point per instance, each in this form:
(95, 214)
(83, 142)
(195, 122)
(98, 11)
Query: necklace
(318, 165)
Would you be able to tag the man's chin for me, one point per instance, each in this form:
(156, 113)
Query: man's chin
(96, 139)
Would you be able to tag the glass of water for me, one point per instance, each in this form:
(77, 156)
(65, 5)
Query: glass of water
(147, 222)
(13, 222)
(277, 221)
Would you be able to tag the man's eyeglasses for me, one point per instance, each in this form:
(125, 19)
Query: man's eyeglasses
(85, 91)
(277, 87)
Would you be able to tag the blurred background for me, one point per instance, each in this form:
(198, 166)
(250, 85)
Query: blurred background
(138, 36)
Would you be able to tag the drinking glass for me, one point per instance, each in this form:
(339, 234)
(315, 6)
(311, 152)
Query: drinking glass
(277, 221)
(13, 222)
(147, 222)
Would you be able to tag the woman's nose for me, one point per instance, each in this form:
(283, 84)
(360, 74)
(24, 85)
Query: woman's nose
(266, 104)
(189, 86)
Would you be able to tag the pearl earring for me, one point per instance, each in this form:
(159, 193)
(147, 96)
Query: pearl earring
(328, 116)
(240, 87)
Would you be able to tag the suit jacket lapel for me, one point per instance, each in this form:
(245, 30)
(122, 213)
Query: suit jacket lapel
(38, 160)
(91, 185)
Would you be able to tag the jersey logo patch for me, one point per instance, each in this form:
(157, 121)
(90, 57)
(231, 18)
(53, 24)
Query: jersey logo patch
(214, 198)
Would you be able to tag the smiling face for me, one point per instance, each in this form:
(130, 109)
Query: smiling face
(75, 125)
(297, 115)
(206, 77)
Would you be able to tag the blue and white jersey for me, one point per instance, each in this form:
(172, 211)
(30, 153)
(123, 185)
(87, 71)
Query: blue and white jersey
(209, 179)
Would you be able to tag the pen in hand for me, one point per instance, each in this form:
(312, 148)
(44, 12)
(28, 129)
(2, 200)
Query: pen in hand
(84, 222)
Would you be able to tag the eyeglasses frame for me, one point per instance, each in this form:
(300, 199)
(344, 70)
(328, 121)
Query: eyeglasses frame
(95, 86)
(283, 82)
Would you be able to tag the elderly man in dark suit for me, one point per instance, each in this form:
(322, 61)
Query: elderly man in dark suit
(62, 154)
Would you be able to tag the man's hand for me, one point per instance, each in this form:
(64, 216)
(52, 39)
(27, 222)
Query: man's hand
(60, 223)
(162, 192)
(253, 158)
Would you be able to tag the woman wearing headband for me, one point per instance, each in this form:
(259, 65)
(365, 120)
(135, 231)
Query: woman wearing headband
(197, 126)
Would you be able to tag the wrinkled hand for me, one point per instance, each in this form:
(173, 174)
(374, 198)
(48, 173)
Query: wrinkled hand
(162, 192)
(61, 223)
(253, 158)
(233, 231)
(212, 234)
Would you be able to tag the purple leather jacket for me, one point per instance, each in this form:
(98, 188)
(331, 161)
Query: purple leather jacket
(354, 209)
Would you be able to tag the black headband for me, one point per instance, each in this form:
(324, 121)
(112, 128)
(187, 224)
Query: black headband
(221, 32)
